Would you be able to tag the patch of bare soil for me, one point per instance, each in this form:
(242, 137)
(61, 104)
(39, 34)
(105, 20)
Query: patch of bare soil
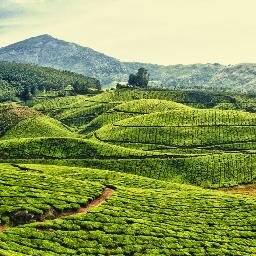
(3, 228)
(249, 190)
(23, 112)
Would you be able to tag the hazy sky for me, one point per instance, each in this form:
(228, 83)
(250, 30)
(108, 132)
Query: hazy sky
(157, 31)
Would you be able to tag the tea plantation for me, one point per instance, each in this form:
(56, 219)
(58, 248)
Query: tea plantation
(143, 217)
(168, 157)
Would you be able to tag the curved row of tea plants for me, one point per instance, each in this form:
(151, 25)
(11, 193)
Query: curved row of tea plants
(212, 170)
(183, 128)
(143, 217)
(26, 195)
(130, 109)
(12, 114)
(65, 147)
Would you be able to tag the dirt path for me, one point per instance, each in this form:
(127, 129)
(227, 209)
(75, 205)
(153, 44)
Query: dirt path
(249, 190)
(105, 195)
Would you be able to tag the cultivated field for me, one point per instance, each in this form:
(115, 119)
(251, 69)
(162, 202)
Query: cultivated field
(128, 172)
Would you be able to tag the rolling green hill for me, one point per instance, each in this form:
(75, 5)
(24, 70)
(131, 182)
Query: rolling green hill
(130, 109)
(23, 122)
(38, 127)
(105, 174)
(91, 113)
(65, 148)
(144, 132)
(179, 128)
(75, 111)
(146, 106)
(12, 114)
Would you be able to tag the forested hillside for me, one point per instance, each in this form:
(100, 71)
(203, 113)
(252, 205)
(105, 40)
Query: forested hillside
(27, 80)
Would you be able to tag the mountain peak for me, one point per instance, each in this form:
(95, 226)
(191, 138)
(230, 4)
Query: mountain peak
(44, 36)
(46, 50)
(32, 41)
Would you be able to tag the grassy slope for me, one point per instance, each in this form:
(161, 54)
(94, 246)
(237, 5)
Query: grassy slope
(146, 106)
(176, 219)
(90, 113)
(130, 109)
(48, 105)
(196, 98)
(38, 127)
(12, 114)
(23, 122)
(212, 170)
(74, 111)
(64, 147)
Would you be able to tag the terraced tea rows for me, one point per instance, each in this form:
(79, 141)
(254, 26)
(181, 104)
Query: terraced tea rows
(65, 148)
(183, 128)
(11, 114)
(140, 132)
(74, 111)
(213, 170)
(28, 196)
(147, 147)
(130, 109)
(23, 122)
(143, 217)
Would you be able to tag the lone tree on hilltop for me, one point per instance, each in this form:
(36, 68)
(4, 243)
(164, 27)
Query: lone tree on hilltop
(140, 79)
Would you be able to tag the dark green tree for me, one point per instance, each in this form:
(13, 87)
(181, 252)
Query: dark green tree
(33, 90)
(7, 92)
(140, 79)
(80, 88)
(26, 94)
(132, 80)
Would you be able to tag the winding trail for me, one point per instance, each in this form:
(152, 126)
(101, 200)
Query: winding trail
(104, 196)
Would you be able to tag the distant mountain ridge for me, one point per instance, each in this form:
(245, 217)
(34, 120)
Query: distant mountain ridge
(46, 50)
